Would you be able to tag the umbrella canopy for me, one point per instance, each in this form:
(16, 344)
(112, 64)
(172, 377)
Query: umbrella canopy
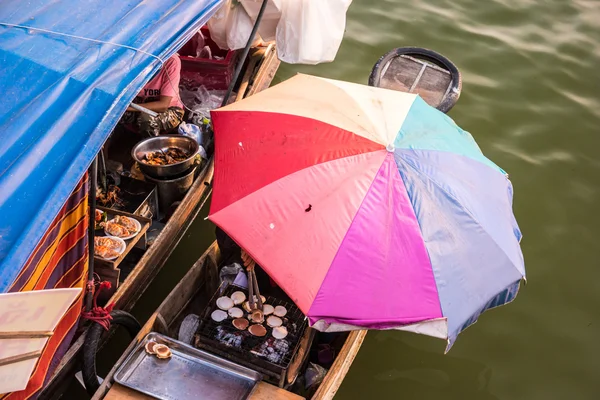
(370, 208)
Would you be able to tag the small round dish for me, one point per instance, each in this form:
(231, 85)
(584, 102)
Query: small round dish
(119, 250)
(138, 228)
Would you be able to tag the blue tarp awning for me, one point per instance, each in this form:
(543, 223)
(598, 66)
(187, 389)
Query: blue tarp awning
(62, 94)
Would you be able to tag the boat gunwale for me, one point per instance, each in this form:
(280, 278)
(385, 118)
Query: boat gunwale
(178, 299)
(156, 256)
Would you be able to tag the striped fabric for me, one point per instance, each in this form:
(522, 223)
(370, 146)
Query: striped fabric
(58, 261)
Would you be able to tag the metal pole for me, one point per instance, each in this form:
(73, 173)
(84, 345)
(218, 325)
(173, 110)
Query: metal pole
(92, 206)
(143, 109)
(240, 65)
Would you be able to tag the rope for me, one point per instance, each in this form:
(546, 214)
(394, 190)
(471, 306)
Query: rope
(82, 38)
(97, 314)
(160, 60)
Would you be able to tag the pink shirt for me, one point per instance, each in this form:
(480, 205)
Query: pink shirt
(160, 85)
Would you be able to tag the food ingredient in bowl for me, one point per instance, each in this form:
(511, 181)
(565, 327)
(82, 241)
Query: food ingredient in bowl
(173, 155)
(224, 303)
(114, 229)
(100, 219)
(110, 198)
(107, 242)
(218, 315)
(128, 223)
(240, 323)
(107, 247)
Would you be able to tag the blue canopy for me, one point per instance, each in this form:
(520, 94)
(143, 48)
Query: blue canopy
(63, 88)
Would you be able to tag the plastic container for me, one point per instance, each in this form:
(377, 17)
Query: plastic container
(191, 130)
(214, 74)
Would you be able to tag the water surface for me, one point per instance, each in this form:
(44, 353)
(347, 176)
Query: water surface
(531, 99)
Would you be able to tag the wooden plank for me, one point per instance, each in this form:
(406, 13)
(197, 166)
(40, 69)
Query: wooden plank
(20, 357)
(267, 71)
(184, 292)
(144, 222)
(25, 335)
(119, 392)
(263, 391)
(301, 355)
(255, 58)
(340, 366)
(266, 391)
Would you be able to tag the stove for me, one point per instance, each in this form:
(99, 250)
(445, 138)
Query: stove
(270, 356)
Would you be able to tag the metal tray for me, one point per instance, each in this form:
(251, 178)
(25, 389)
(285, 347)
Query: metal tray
(189, 373)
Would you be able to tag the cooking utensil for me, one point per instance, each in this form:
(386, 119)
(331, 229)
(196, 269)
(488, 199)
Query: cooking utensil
(161, 144)
(256, 290)
(250, 290)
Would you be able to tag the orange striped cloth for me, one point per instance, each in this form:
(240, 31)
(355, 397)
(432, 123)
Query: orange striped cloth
(60, 260)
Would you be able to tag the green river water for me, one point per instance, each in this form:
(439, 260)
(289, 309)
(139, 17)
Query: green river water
(531, 98)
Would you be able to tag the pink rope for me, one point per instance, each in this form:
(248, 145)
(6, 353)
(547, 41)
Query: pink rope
(97, 314)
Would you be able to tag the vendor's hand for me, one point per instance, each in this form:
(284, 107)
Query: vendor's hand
(249, 263)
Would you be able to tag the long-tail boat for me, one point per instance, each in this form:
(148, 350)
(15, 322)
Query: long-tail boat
(69, 71)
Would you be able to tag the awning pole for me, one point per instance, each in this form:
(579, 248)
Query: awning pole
(240, 65)
(91, 229)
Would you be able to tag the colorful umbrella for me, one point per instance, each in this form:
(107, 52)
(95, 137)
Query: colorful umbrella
(369, 208)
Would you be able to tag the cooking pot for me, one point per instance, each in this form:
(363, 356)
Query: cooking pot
(163, 142)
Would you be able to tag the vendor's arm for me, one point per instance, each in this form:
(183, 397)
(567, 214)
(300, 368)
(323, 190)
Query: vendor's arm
(158, 106)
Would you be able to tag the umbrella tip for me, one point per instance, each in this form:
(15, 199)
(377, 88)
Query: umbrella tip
(390, 147)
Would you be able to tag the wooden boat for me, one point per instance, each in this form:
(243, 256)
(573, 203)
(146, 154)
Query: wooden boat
(191, 295)
(262, 64)
(417, 70)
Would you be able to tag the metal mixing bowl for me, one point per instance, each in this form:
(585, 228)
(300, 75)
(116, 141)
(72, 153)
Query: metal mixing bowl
(163, 142)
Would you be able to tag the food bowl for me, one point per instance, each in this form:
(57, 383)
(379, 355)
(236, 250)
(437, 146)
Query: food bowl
(163, 142)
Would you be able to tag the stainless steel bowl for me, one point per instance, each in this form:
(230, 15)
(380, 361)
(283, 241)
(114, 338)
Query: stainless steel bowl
(163, 142)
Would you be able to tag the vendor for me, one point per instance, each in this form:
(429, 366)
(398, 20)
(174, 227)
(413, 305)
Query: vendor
(161, 95)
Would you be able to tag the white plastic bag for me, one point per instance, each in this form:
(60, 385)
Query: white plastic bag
(268, 24)
(231, 26)
(217, 25)
(310, 31)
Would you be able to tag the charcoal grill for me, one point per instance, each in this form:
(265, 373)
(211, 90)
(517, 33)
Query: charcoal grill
(274, 371)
